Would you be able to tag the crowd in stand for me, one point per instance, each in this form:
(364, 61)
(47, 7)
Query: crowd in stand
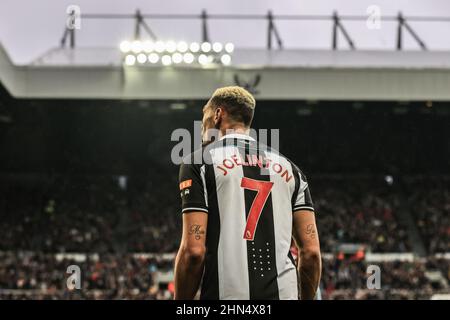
(113, 218)
(90, 217)
(358, 211)
(43, 276)
(347, 279)
(429, 201)
(104, 217)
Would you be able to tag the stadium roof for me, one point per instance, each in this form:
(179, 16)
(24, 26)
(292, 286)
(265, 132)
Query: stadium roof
(285, 74)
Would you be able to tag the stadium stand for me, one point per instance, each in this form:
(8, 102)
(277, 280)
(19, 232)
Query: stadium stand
(89, 181)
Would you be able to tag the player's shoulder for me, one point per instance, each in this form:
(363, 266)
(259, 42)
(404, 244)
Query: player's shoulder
(194, 158)
(295, 168)
(294, 165)
(276, 153)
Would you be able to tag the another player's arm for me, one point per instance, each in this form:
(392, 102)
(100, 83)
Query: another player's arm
(190, 259)
(310, 263)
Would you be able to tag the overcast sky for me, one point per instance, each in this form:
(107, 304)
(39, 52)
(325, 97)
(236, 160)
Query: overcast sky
(30, 28)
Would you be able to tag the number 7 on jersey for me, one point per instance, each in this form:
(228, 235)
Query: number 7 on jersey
(263, 188)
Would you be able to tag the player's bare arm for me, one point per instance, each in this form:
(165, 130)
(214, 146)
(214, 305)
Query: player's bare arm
(310, 264)
(191, 256)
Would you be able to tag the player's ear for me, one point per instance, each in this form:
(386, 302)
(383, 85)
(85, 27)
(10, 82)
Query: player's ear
(218, 115)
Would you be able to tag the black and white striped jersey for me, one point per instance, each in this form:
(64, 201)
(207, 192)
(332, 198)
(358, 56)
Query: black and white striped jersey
(249, 193)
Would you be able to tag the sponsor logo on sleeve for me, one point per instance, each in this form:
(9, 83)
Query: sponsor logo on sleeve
(185, 184)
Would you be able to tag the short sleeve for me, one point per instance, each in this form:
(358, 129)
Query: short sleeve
(303, 200)
(193, 188)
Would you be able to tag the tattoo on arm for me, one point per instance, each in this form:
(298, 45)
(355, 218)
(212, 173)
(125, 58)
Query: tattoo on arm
(196, 230)
(310, 231)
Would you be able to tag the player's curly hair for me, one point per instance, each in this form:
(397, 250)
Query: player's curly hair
(238, 102)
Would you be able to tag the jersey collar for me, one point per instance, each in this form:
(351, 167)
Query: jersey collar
(237, 136)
